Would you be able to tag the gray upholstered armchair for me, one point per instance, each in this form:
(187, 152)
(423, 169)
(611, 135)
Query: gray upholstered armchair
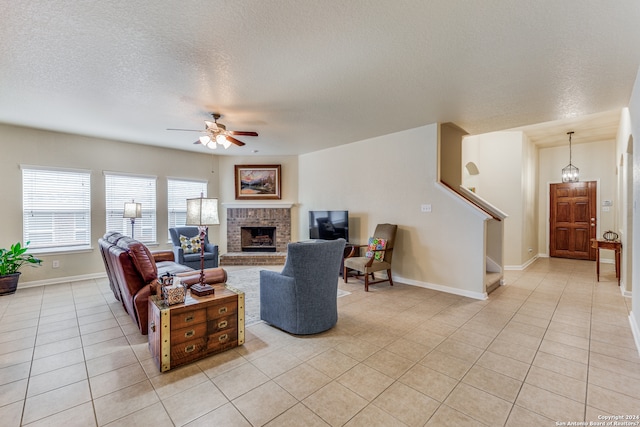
(302, 299)
(192, 259)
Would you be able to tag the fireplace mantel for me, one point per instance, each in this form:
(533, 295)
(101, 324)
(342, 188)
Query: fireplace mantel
(258, 205)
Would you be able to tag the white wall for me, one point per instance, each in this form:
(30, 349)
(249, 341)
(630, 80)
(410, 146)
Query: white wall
(624, 211)
(386, 179)
(44, 148)
(289, 189)
(530, 213)
(634, 111)
(506, 162)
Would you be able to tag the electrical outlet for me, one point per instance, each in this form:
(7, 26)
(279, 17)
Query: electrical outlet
(425, 208)
(55, 263)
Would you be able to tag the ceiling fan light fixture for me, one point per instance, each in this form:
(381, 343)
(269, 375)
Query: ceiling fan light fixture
(216, 133)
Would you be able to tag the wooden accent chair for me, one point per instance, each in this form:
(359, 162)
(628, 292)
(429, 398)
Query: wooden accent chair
(367, 266)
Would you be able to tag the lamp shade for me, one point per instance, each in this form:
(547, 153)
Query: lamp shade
(132, 210)
(202, 211)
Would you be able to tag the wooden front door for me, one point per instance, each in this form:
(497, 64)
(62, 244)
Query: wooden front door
(573, 220)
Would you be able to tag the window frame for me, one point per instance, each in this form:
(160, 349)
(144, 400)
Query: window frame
(145, 228)
(171, 205)
(41, 188)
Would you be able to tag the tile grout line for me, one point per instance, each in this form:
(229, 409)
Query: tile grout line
(586, 388)
(33, 352)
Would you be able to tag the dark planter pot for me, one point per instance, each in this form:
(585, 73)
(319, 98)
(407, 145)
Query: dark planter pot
(9, 283)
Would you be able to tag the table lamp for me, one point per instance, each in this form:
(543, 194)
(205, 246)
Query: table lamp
(132, 210)
(202, 212)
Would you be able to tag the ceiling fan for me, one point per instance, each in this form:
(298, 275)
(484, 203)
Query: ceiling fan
(216, 133)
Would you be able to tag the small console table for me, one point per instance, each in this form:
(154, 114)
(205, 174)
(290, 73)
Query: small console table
(613, 245)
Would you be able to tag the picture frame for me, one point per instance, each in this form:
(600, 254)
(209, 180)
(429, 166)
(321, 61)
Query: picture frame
(257, 182)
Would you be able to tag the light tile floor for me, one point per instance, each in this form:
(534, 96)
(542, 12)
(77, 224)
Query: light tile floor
(552, 346)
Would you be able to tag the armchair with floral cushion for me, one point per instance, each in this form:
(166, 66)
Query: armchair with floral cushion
(378, 256)
(186, 248)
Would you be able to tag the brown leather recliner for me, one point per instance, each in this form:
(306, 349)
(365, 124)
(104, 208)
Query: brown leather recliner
(133, 271)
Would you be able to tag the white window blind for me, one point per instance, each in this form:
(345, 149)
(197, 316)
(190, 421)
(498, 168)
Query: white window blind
(178, 191)
(56, 209)
(120, 188)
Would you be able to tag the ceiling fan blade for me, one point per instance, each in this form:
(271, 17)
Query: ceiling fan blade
(241, 133)
(186, 130)
(235, 141)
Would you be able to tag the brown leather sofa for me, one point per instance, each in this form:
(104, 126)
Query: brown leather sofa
(133, 272)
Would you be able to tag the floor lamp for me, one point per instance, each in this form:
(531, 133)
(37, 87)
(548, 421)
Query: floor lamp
(202, 212)
(132, 210)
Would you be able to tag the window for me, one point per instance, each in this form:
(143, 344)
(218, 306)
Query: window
(178, 191)
(120, 188)
(56, 209)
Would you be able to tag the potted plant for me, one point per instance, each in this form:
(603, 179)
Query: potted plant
(10, 262)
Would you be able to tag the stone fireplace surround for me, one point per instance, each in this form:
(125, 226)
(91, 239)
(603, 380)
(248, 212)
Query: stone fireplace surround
(257, 215)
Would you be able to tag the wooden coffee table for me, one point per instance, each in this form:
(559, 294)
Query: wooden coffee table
(201, 326)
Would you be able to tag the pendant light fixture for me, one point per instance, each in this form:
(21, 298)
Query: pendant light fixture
(570, 173)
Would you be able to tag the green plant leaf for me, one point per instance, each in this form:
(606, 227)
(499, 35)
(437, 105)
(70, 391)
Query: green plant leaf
(12, 259)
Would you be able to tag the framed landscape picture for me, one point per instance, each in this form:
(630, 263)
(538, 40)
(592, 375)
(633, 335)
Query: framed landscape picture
(257, 182)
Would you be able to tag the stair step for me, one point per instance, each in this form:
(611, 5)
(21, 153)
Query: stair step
(492, 281)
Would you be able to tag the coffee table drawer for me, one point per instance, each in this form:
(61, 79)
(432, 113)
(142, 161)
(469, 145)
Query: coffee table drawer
(222, 340)
(222, 310)
(186, 318)
(222, 323)
(187, 350)
(188, 334)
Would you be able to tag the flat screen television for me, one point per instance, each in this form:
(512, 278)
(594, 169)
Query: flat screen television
(329, 225)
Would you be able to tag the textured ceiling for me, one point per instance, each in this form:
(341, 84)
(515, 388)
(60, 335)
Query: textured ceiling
(309, 74)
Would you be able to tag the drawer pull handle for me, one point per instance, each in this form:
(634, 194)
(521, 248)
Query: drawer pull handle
(189, 348)
(223, 324)
(222, 310)
(223, 337)
(189, 334)
(152, 326)
(189, 318)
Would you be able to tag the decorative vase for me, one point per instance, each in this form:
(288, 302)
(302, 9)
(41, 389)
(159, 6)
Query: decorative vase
(9, 283)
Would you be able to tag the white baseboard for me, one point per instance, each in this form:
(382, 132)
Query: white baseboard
(623, 291)
(522, 266)
(635, 330)
(58, 280)
(442, 288)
